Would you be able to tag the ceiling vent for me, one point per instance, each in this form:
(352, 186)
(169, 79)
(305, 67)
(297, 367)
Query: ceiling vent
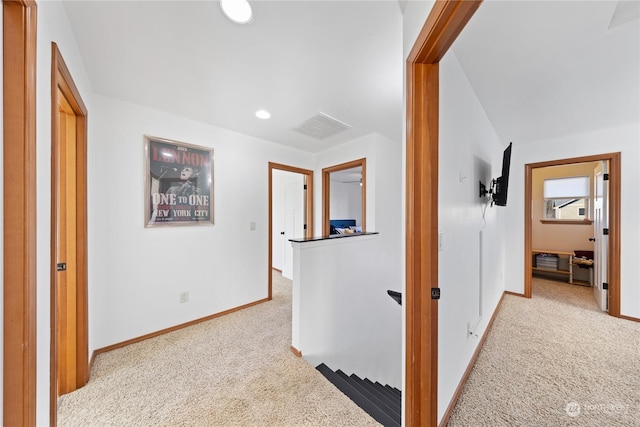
(322, 126)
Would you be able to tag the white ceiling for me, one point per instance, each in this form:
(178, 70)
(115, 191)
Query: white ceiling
(546, 69)
(540, 68)
(297, 58)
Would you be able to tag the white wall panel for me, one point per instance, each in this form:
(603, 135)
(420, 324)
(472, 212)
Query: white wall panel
(471, 261)
(144, 270)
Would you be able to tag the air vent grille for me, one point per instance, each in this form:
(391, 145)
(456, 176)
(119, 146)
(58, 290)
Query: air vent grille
(322, 126)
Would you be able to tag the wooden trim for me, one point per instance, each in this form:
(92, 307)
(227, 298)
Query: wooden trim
(421, 252)
(615, 208)
(326, 191)
(549, 251)
(444, 23)
(615, 193)
(62, 82)
(308, 213)
(19, 197)
(515, 294)
(528, 230)
(326, 196)
(173, 328)
(633, 319)
(92, 360)
(296, 351)
(276, 269)
(567, 221)
(472, 362)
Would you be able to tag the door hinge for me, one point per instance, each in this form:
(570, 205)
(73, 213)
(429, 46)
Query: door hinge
(605, 176)
(61, 266)
(605, 231)
(304, 187)
(305, 226)
(605, 286)
(435, 293)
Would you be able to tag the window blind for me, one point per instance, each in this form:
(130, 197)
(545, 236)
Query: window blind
(576, 187)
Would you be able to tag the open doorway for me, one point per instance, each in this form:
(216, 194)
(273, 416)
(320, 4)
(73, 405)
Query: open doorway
(603, 226)
(291, 193)
(344, 194)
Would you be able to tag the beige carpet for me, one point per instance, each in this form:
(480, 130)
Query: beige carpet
(236, 370)
(554, 360)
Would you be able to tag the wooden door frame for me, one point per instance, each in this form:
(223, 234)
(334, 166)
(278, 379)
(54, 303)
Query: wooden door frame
(326, 191)
(19, 196)
(308, 211)
(62, 82)
(444, 23)
(615, 193)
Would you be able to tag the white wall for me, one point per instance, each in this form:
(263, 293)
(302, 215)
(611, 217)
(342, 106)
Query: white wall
(622, 139)
(384, 215)
(471, 261)
(384, 208)
(383, 178)
(364, 147)
(346, 201)
(52, 26)
(341, 313)
(221, 266)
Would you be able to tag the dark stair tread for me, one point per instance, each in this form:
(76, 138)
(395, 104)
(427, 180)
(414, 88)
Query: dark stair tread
(391, 402)
(393, 390)
(371, 395)
(346, 387)
(393, 398)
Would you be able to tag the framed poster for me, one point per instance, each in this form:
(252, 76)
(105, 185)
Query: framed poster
(179, 183)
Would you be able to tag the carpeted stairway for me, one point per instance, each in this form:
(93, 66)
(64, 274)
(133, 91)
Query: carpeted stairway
(382, 402)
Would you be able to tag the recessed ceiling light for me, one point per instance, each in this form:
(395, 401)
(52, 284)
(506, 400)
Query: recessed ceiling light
(239, 11)
(263, 114)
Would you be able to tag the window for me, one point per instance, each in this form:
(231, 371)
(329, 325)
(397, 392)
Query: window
(566, 198)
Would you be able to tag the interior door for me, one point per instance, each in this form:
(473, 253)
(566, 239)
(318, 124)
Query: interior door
(601, 243)
(66, 250)
(294, 220)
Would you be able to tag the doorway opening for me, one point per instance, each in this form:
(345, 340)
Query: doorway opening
(355, 177)
(69, 305)
(294, 199)
(612, 257)
(445, 22)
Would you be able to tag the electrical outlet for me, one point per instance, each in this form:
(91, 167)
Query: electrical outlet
(184, 297)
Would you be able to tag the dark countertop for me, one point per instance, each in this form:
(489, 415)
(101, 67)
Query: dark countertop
(331, 237)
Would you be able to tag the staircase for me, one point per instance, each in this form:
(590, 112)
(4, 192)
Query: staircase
(382, 402)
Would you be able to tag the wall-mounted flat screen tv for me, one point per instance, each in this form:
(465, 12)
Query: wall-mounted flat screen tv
(502, 183)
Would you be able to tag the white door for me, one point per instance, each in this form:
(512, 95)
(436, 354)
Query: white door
(601, 243)
(293, 220)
